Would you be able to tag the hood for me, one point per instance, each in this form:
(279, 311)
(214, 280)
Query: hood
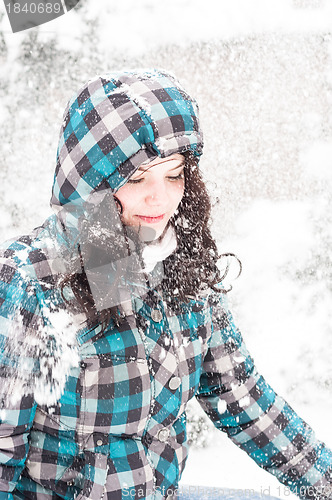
(110, 127)
(116, 122)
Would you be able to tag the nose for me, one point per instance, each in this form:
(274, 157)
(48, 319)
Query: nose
(157, 194)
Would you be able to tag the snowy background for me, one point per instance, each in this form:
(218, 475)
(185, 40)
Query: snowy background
(261, 71)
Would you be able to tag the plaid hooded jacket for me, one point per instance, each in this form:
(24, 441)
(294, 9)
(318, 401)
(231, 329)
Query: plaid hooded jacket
(102, 415)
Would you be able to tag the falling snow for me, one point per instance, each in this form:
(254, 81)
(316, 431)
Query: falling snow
(222, 406)
(262, 73)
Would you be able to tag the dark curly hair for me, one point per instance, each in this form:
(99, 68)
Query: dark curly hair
(188, 272)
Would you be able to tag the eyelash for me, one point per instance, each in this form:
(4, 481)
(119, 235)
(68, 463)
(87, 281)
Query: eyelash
(176, 177)
(171, 178)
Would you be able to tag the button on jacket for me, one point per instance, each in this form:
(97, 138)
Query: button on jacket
(101, 414)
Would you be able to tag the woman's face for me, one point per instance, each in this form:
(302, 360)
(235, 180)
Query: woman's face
(151, 196)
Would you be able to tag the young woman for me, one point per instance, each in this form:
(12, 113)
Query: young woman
(113, 316)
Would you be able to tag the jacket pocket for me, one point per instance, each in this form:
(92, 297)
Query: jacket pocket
(115, 394)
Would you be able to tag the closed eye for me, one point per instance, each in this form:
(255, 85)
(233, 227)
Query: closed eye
(169, 177)
(134, 181)
(176, 177)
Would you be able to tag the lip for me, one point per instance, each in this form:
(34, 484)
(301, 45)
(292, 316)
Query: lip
(151, 220)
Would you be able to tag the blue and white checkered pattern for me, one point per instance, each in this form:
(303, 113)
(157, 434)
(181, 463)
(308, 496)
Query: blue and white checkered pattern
(117, 425)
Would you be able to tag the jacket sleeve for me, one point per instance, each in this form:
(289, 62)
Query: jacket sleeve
(18, 314)
(241, 403)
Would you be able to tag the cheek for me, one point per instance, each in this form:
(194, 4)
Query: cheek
(127, 199)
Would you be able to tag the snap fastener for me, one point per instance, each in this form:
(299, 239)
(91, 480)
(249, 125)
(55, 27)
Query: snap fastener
(156, 315)
(174, 383)
(163, 435)
(83, 365)
(99, 442)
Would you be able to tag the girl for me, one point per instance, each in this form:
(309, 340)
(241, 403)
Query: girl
(113, 316)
